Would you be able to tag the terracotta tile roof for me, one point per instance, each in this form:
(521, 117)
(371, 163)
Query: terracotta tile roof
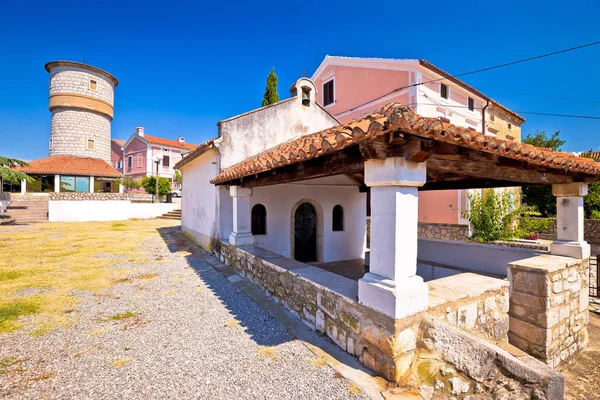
(70, 165)
(203, 148)
(465, 85)
(119, 142)
(394, 117)
(169, 142)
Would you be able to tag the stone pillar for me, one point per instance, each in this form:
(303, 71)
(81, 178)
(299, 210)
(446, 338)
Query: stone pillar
(56, 183)
(241, 235)
(91, 184)
(392, 286)
(569, 221)
(23, 186)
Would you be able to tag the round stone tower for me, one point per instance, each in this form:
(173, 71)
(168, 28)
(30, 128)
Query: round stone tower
(81, 101)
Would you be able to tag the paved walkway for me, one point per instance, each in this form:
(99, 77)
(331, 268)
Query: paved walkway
(177, 329)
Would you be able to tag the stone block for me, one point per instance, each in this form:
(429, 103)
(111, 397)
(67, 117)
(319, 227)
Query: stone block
(467, 315)
(489, 304)
(530, 332)
(536, 284)
(320, 321)
(380, 338)
(405, 341)
(458, 386)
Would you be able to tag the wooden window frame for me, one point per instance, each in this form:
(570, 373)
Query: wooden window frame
(443, 85)
(325, 97)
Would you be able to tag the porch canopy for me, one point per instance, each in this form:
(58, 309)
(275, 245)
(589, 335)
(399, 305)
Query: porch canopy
(457, 157)
(393, 154)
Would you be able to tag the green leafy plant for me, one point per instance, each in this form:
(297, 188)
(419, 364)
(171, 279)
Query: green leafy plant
(493, 215)
(149, 184)
(129, 182)
(178, 177)
(595, 214)
(530, 223)
(7, 174)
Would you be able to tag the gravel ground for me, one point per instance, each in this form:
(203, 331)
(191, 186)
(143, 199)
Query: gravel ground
(185, 333)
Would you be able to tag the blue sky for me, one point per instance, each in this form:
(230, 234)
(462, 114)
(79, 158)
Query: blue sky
(183, 66)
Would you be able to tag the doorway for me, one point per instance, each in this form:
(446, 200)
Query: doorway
(305, 233)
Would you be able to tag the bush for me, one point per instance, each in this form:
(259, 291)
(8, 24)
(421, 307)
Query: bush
(595, 214)
(129, 182)
(149, 184)
(493, 215)
(529, 223)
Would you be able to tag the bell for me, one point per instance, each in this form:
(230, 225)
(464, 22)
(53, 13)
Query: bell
(305, 98)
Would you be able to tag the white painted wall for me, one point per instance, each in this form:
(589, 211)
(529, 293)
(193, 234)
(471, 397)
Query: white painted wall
(110, 210)
(327, 192)
(3, 205)
(249, 134)
(199, 199)
(485, 258)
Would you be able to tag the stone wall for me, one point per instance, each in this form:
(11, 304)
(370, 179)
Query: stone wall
(71, 128)
(382, 344)
(444, 231)
(549, 307)
(591, 231)
(4, 196)
(17, 197)
(419, 353)
(78, 196)
(475, 303)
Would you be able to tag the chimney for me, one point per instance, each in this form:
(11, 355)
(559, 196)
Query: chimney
(139, 131)
(181, 140)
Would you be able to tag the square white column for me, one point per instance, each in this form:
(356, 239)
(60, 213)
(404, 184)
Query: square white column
(121, 188)
(392, 285)
(91, 184)
(23, 186)
(56, 183)
(242, 234)
(570, 221)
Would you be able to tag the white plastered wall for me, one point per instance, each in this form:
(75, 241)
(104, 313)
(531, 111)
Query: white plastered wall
(326, 192)
(200, 199)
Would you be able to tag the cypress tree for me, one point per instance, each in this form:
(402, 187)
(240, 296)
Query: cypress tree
(271, 95)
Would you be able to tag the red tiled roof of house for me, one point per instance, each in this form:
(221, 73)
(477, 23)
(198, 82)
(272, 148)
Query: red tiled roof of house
(591, 154)
(397, 117)
(119, 142)
(203, 148)
(70, 165)
(169, 142)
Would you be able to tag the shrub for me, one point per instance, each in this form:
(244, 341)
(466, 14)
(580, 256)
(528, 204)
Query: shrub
(595, 214)
(529, 223)
(493, 215)
(149, 184)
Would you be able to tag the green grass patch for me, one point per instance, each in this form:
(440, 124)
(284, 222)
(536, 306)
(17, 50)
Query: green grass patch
(6, 363)
(121, 316)
(10, 313)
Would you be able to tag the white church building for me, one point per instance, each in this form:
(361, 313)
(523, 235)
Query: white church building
(282, 198)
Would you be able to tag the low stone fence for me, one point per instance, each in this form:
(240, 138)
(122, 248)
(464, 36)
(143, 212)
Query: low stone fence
(591, 231)
(475, 303)
(549, 307)
(444, 231)
(382, 344)
(83, 196)
(422, 351)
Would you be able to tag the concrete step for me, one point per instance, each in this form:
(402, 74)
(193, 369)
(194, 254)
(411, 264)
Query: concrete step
(25, 212)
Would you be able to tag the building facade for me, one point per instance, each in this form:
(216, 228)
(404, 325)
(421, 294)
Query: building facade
(81, 101)
(351, 87)
(136, 158)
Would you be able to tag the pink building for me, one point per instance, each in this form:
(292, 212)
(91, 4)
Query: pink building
(351, 87)
(116, 154)
(137, 154)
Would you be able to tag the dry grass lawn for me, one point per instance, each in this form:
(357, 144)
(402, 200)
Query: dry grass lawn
(43, 266)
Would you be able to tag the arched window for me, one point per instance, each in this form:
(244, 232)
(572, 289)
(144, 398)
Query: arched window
(259, 220)
(338, 218)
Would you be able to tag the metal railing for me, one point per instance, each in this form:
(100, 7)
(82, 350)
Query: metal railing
(595, 276)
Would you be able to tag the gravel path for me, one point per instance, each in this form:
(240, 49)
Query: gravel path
(185, 333)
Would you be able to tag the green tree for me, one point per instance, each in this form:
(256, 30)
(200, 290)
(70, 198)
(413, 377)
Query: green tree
(178, 176)
(540, 197)
(591, 202)
(271, 95)
(493, 215)
(149, 184)
(7, 174)
(129, 182)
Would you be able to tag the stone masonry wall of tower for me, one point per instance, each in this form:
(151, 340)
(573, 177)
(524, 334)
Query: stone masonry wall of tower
(81, 101)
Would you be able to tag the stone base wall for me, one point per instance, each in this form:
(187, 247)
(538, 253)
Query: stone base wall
(485, 314)
(454, 364)
(17, 198)
(444, 231)
(549, 307)
(100, 196)
(591, 231)
(382, 344)
(4, 196)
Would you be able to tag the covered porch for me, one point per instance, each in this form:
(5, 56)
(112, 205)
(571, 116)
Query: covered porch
(390, 157)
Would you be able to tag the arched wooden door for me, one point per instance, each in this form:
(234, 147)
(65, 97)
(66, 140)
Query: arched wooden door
(305, 233)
